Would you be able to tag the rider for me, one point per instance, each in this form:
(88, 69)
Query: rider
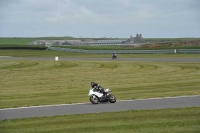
(97, 87)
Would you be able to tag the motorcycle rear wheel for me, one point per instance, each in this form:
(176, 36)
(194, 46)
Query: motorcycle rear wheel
(94, 99)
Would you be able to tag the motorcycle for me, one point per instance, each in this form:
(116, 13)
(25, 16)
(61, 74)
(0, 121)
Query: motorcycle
(96, 96)
(114, 56)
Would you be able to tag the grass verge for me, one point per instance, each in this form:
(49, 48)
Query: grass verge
(182, 120)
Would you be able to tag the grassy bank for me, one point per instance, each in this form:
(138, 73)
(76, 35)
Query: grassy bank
(26, 83)
(185, 120)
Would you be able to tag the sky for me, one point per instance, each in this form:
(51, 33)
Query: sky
(100, 18)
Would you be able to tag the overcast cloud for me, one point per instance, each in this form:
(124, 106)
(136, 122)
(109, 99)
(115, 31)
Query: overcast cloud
(100, 18)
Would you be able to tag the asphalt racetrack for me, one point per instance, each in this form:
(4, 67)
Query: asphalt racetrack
(123, 105)
(82, 108)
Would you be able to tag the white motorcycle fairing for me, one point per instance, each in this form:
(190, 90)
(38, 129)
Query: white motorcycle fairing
(98, 94)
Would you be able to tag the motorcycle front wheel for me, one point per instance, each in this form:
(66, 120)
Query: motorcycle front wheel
(94, 99)
(112, 98)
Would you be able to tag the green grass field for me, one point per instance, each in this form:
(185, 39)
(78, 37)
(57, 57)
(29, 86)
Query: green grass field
(27, 83)
(184, 120)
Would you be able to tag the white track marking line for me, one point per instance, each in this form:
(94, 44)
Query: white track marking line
(161, 98)
(5, 56)
(88, 102)
(54, 105)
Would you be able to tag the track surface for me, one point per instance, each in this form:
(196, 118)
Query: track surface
(82, 108)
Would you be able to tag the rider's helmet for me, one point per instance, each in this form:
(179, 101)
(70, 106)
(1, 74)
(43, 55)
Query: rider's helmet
(92, 83)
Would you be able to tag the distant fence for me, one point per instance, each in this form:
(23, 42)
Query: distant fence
(167, 51)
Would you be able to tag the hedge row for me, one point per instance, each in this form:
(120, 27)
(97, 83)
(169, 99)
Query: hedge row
(19, 47)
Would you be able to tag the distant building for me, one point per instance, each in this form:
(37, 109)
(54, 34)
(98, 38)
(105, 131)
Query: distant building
(131, 40)
(108, 42)
(137, 39)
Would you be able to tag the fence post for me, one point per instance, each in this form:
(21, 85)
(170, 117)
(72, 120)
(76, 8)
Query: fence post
(175, 51)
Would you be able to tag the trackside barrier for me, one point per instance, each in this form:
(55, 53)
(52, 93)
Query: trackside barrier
(167, 51)
(188, 51)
